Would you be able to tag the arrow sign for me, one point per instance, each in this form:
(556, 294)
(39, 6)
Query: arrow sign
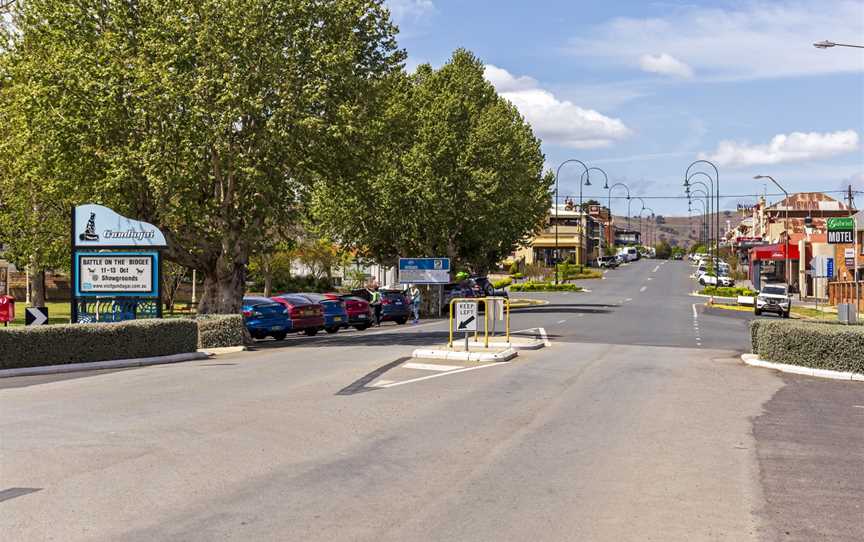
(36, 316)
(465, 323)
(466, 316)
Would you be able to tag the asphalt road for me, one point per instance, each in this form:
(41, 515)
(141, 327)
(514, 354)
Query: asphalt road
(639, 422)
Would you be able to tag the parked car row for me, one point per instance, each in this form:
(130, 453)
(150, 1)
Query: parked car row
(306, 313)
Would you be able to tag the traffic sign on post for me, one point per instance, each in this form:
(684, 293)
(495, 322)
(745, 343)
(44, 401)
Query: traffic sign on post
(466, 316)
(36, 316)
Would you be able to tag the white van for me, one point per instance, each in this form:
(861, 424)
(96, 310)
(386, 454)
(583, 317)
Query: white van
(629, 254)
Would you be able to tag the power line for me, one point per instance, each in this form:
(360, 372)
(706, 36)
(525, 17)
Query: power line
(721, 195)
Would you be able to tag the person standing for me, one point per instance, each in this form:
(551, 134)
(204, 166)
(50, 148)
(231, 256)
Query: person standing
(376, 304)
(415, 302)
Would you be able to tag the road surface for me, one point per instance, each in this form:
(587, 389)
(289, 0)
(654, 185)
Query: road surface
(638, 422)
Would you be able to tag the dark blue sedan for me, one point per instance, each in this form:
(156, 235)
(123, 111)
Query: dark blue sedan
(335, 313)
(265, 318)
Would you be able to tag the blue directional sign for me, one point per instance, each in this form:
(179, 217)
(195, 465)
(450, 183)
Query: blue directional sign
(424, 270)
(829, 267)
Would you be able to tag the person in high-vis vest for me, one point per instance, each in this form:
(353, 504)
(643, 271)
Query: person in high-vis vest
(376, 304)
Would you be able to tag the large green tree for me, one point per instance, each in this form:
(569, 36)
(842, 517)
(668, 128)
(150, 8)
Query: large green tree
(209, 118)
(460, 174)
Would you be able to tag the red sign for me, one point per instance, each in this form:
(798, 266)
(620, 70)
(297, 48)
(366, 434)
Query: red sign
(7, 308)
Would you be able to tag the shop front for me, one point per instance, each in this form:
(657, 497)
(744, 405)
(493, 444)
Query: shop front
(768, 263)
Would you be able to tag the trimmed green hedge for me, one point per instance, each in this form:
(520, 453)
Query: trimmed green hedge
(809, 344)
(76, 343)
(545, 287)
(221, 330)
(503, 283)
(727, 291)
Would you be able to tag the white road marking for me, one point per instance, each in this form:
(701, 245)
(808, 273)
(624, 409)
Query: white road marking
(857, 406)
(382, 383)
(656, 269)
(561, 321)
(649, 278)
(545, 337)
(628, 299)
(394, 384)
(642, 289)
(695, 313)
(430, 366)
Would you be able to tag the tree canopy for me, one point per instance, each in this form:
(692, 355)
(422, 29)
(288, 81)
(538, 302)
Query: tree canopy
(208, 118)
(460, 174)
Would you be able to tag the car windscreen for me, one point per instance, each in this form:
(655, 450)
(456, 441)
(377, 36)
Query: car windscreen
(774, 290)
(295, 299)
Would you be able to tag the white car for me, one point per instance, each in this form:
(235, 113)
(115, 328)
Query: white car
(706, 279)
(774, 298)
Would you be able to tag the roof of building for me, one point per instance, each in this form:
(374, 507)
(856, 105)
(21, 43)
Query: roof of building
(808, 201)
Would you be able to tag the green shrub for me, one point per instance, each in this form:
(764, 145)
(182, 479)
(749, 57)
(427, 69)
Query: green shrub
(754, 334)
(545, 287)
(503, 283)
(727, 291)
(220, 330)
(810, 344)
(76, 343)
(517, 276)
(514, 268)
(585, 273)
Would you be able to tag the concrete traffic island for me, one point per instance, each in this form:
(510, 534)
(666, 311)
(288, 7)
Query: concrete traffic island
(754, 361)
(498, 350)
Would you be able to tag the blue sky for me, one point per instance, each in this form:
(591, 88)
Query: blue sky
(641, 89)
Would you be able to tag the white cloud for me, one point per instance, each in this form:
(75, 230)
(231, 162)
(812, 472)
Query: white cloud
(665, 64)
(410, 10)
(556, 121)
(794, 147)
(756, 39)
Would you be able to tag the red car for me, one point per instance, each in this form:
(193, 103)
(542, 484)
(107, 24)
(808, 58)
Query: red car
(305, 316)
(359, 313)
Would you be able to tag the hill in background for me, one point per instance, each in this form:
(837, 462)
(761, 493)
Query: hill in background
(681, 231)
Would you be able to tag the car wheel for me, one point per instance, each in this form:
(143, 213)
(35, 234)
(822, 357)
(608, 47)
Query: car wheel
(311, 332)
(280, 336)
(786, 314)
(362, 327)
(401, 321)
(757, 312)
(331, 329)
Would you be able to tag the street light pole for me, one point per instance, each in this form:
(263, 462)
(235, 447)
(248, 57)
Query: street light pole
(709, 199)
(557, 173)
(581, 206)
(827, 44)
(628, 205)
(785, 226)
(642, 201)
(716, 181)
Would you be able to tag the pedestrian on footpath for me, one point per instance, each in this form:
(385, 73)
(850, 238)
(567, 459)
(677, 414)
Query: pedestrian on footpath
(415, 302)
(376, 304)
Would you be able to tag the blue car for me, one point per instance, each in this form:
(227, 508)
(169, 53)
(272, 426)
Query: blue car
(335, 313)
(265, 318)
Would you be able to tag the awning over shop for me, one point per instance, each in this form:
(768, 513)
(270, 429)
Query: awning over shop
(774, 252)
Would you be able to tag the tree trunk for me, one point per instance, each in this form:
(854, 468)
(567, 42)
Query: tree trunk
(37, 287)
(224, 287)
(268, 284)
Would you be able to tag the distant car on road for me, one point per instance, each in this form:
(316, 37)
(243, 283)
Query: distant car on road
(774, 298)
(710, 279)
(609, 262)
(306, 316)
(486, 288)
(395, 305)
(335, 313)
(359, 313)
(265, 318)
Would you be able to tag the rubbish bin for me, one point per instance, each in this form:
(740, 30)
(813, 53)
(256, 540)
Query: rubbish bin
(7, 309)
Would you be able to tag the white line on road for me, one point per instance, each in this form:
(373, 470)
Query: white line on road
(545, 337)
(649, 278)
(695, 313)
(394, 384)
(561, 321)
(656, 269)
(642, 289)
(628, 299)
(430, 366)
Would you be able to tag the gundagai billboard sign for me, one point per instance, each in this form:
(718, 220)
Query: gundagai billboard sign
(98, 226)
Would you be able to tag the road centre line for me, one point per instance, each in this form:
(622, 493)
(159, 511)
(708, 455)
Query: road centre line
(695, 313)
(642, 289)
(430, 366)
(465, 369)
(656, 269)
(561, 321)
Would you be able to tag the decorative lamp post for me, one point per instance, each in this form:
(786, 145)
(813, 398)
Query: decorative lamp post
(557, 174)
